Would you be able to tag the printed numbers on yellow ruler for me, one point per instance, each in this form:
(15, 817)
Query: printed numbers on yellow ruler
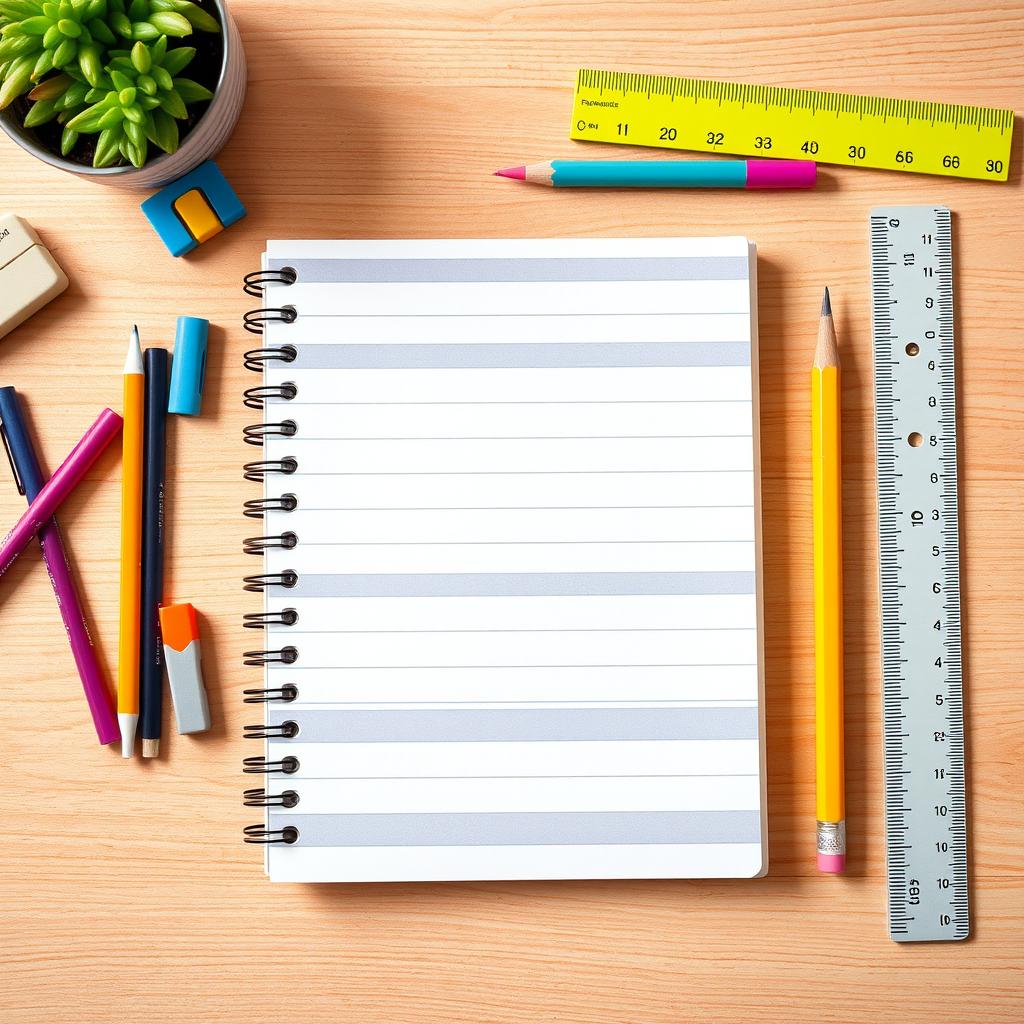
(794, 124)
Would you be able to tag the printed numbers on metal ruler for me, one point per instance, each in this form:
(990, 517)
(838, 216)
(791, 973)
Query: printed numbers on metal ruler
(795, 124)
(918, 523)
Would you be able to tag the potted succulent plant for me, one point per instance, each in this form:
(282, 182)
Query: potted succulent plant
(137, 92)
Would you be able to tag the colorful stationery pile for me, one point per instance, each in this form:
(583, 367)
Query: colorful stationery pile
(149, 394)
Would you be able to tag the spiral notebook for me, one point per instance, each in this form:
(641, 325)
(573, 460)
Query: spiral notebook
(510, 535)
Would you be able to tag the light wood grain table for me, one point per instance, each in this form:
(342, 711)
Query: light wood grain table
(127, 893)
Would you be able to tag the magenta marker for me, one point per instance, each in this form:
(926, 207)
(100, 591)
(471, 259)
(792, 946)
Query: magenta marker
(59, 486)
(755, 174)
(30, 479)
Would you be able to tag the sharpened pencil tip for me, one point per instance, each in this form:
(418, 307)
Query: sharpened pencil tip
(826, 305)
(518, 173)
(133, 361)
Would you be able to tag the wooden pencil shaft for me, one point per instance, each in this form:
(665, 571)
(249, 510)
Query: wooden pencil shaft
(828, 574)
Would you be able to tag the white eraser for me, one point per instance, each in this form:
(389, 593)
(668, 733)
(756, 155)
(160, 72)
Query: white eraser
(29, 275)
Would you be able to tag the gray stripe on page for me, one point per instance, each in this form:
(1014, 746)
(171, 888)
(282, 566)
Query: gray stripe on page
(517, 828)
(514, 584)
(531, 355)
(520, 725)
(524, 270)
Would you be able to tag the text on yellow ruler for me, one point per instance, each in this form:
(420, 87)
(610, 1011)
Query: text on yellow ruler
(795, 124)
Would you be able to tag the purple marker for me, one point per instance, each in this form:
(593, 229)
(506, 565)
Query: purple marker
(30, 480)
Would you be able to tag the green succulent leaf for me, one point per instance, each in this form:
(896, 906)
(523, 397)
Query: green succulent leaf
(19, 77)
(177, 60)
(90, 63)
(52, 37)
(96, 9)
(162, 77)
(136, 132)
(145, 31)
(141, 58)
(162, 130)
(138, 9)
(174, 105)
(39, 113)
(65, 53)
(100, 31)
(42, 65)
(147, 102)
(120, 23)
(110, 117)
(144, 83)
(69, 27)
(170, 23)
(107, 147)
(34, 26)
(199, 18)
(126, 97)
(135, 113)
(88, 120)
(191, 92)
(120, 79)
(68, 138)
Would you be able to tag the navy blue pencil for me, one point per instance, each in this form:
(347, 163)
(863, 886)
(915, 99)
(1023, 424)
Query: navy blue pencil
(151, 667)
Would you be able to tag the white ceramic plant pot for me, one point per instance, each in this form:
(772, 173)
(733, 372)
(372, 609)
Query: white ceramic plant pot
(203, 142)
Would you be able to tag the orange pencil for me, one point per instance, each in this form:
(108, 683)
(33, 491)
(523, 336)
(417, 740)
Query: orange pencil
(131, 547)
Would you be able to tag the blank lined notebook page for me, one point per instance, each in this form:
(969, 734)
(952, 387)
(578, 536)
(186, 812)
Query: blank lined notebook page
(512, 581)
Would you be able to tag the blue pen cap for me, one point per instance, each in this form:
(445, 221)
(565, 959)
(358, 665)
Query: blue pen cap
(188, 368)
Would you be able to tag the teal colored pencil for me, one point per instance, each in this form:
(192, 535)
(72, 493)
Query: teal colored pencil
(667, 173)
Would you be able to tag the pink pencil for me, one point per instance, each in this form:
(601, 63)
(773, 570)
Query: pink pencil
(59, 486)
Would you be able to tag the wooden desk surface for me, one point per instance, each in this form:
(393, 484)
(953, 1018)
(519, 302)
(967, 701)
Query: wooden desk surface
(127, 892)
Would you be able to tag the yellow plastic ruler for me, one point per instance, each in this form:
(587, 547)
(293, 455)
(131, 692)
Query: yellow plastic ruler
(795, 124)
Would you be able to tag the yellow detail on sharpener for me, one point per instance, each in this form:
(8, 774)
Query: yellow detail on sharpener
(197, 215)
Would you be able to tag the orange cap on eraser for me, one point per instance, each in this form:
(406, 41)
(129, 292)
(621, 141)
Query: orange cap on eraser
(180, 629)
(178, 625)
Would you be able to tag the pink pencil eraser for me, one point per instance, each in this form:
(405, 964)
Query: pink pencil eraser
(781, 173)
(832, 863)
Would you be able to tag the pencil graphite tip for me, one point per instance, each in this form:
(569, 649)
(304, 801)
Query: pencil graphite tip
(826, 305)
(133, 360)
(519, 173)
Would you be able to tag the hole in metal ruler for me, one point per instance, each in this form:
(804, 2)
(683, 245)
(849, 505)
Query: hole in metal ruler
(913, 348)
(915, 440)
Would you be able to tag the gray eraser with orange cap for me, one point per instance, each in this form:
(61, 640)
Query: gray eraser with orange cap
(179, 629)
(29, 275)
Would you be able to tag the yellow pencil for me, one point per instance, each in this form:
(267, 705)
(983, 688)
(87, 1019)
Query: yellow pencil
(131, 547)
(826, 472)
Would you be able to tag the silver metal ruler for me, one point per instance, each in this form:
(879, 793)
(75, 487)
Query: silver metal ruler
(918, 525)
